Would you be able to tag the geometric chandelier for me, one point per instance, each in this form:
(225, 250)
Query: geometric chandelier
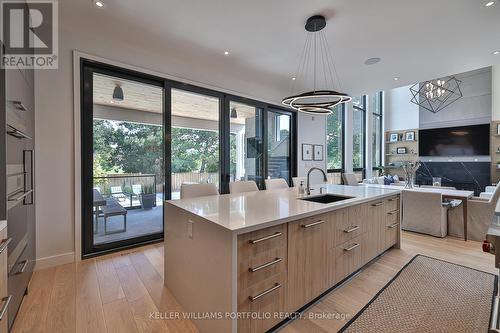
(317, 101)
(435, 95)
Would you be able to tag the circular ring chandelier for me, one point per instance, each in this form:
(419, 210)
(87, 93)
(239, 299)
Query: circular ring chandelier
(316, 101)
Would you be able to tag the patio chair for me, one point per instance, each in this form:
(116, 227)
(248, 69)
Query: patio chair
(136, 190)
(117, 193)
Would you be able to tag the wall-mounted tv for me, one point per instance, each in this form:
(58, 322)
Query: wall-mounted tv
(455, 141)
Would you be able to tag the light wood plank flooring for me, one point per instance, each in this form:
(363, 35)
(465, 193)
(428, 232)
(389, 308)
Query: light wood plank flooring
(116, 293)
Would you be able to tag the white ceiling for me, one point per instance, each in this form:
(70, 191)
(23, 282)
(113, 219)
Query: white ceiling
(417, 40)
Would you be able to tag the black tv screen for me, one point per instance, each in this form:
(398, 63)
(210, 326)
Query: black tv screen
(455, 141)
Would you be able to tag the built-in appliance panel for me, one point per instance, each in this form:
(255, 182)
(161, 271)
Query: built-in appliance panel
(19, 103)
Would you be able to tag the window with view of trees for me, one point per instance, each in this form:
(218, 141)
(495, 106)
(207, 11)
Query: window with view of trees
(334, 138)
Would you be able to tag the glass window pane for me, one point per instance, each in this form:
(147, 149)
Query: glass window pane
(128, 175)
(377, 141)
(278, 145)
(245, 142)
(358, 138)
(334, 135)
(195, 139)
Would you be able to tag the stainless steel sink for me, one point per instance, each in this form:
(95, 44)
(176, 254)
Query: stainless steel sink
(326, 198)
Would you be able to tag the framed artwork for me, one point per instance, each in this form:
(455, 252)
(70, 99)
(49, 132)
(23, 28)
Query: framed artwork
(498, 129)
(393, 137)
(401, 150)
(318, 152)
(410, 136)
(307, 152)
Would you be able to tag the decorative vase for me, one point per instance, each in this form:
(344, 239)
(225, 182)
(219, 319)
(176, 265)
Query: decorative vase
(410, 180)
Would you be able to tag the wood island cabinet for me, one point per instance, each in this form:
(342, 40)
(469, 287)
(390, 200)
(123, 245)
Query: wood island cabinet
(310, 256)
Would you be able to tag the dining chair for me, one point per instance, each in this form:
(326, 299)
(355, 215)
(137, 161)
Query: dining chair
(198, 190)
(242, 186)
(276, 183)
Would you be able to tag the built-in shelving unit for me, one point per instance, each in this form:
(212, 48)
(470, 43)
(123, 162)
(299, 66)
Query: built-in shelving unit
(494, 151)
(392, 158)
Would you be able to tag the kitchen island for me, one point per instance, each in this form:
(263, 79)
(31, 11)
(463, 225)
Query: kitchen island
(243, 262)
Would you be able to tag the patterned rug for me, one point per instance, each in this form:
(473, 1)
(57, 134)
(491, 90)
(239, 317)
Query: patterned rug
(430, 295)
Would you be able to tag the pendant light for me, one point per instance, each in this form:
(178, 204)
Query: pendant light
(317, 101)
(234, 114)
(118, 93)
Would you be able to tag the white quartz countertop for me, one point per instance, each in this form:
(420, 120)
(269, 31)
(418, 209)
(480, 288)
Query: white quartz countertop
(244, 212)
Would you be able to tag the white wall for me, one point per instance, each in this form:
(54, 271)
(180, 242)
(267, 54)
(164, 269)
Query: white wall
(495, 89)
(473, 108)
(400, 114)
(311, 129)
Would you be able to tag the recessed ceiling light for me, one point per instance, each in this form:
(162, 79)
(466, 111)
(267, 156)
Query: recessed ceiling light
(372, 61)
(489, 3)
(396, 78)
(293, 78)
(226, 52)
(99, 4)
(496, 52)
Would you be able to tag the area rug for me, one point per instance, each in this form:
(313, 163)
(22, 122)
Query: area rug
(430, 295)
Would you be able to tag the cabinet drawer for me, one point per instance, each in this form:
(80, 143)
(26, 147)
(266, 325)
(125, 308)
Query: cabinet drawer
(348, 257)
(392, 204)
(389, 234)
(261, 267)
(253, 243)
(349, 223)
(266, 298)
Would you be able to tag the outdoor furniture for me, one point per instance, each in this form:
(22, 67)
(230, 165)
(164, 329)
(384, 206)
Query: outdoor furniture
(276, 183)
(99, 201)
(243, 186)
(113, 208)
(117, 192)
(198, 190)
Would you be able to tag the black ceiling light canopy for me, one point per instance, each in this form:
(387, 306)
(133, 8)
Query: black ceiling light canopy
(317, 101)
(118, 93)
(435, 95)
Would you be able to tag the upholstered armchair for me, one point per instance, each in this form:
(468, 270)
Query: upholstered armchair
(480, 213)
(424, 212)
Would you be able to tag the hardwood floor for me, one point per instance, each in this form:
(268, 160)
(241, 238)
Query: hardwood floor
(117, 293)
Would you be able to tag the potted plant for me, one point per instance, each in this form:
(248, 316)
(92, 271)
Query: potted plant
(148, 197)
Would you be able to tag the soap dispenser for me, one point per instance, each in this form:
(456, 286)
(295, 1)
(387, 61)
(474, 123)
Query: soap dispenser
(301, 188)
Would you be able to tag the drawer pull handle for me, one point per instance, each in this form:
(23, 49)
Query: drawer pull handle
(312, 224)
(392, 226)
(353, 228)
(4, 244)
(352, 247)
(21, 197)
(276, 234)
(17, 133)
(23, 267)
(19, 105)
(393, 199)
(258, 268)
(393, 212)
(6, 302)
(270, 290)
(378, 204)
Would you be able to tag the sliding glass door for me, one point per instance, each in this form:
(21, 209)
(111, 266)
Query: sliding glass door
(122, 158)
(246, 143)
(143, 137)
(195, 143)
(279, 144)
